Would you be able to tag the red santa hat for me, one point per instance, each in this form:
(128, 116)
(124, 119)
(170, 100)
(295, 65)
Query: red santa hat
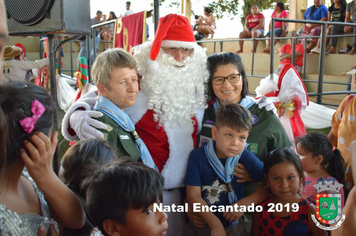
(22, 47)
(173, 31)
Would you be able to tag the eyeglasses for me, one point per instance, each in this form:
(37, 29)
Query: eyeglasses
(233, 78)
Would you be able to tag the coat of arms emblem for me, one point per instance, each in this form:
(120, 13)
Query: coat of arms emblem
(328, 206)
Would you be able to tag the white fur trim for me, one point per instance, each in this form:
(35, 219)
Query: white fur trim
(179, 139)
(152, 66)
(199, 117)
(180, 145)
(178, 44)
(137, 111)
(87, 102)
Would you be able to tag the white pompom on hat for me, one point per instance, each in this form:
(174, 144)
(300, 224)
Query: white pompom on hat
(173, 31)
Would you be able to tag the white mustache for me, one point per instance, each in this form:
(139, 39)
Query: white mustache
(168, 59)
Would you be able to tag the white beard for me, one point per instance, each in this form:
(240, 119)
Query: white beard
(176, 90)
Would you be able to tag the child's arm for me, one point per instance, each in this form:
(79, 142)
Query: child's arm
(316, 231)
(253, 165)
(194, 196)
(256, 197)
(65, 206)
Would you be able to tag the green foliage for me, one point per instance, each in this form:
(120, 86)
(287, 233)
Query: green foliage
(230, 9)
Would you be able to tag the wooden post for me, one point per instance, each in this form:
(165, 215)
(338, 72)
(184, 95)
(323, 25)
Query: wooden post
(186, 8)
(297, 9)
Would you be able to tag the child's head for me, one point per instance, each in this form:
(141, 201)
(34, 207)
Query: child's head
(81, 159)
(120, 199)
(78, 163)
(232, 126)
(283, 172)
(316, 151)
(196, 17)
(17, 102)
(114, 73)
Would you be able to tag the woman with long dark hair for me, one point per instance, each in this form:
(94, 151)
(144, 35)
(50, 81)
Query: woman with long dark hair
(109, 30)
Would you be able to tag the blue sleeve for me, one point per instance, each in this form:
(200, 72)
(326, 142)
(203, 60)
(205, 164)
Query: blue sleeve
(324, 12)
(307, 13)
(253, 165)
(192, 176)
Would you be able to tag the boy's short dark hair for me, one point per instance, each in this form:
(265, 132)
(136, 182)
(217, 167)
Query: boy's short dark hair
(121, 186)
(235, 116)
(128, 3)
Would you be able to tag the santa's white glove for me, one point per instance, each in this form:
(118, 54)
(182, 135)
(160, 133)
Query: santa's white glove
(85, 126)
(265, 102)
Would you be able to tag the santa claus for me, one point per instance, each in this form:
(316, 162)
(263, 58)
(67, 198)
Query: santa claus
(169, 107)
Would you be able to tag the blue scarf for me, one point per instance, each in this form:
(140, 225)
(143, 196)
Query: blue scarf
(105, 106)
(225, 173)
(245, 102)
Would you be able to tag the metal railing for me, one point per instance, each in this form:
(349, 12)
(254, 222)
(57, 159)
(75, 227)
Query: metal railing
(323, 36)
(219, 43)
(57, 43)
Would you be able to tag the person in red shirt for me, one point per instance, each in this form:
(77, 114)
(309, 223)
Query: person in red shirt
(280, 27)
(254, 27)
(286, 53)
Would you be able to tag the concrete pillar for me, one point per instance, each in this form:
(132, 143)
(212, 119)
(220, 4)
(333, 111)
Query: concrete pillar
(297, 9)
(186, 8)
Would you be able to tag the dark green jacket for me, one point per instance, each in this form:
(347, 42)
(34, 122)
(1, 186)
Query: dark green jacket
(119, 138)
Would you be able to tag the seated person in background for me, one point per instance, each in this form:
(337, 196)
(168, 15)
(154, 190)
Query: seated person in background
(210, 180)
(104, 34)
(317, 12)
(207, 26)
(14, 69)
(336, 13)
(197, 21)
(254, 27)
(286, 53)
(110, 29)
(121, 198)
(280, 27)
(351, 18)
